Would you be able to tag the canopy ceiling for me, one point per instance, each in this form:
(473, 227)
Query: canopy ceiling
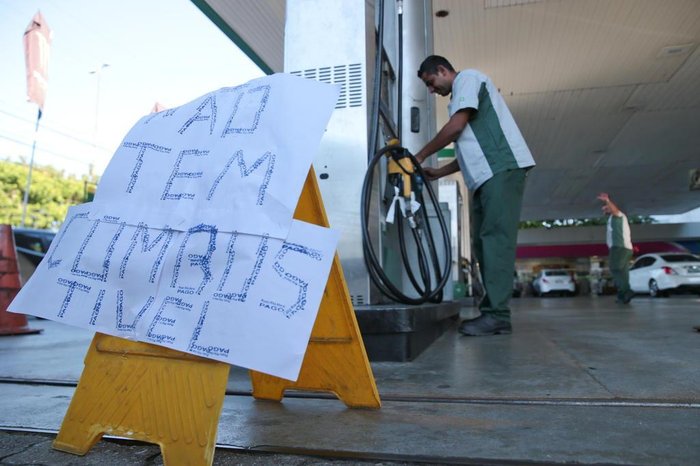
(606, 92)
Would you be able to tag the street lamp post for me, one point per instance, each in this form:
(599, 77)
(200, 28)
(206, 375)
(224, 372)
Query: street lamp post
(98, 73)
(25, 198)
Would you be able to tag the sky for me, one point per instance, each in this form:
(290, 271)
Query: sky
(163, 51)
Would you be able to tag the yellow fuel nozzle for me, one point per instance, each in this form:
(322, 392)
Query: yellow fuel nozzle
(400, 164)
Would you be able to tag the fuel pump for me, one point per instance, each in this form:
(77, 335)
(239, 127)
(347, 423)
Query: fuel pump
(405, 206)
(403, 203)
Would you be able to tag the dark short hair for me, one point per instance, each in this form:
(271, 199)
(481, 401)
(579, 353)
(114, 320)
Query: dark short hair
(430, 65)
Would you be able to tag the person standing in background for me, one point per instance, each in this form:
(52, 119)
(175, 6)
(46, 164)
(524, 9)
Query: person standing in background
(619, 242)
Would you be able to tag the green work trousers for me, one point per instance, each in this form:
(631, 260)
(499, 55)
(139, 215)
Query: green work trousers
(495, 217)
(619, 263)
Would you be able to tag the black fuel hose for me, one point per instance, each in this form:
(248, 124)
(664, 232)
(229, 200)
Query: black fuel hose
(429, 290)
(377, 87)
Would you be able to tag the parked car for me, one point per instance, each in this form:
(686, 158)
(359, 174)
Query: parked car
(553, 281)
(33, 243)
(665, 273)
(31, 246)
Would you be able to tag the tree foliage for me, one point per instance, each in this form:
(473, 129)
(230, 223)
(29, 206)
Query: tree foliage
(51, 193)
(581, 222)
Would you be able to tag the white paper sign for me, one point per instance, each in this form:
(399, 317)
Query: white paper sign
(236, 158)
(190, 243)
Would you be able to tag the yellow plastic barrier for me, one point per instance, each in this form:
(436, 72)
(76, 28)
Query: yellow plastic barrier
(149, 393)
(335, 360)
(174, 399)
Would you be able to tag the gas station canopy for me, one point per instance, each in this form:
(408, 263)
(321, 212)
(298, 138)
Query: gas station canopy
(605, 92)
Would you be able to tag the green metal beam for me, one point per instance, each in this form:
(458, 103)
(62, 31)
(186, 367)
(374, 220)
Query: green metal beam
(231, 34)
(446, 153)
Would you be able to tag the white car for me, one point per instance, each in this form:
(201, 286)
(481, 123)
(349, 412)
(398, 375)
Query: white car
(554, 281)
(664, 273)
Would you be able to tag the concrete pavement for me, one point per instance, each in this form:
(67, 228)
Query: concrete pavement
(580, 380)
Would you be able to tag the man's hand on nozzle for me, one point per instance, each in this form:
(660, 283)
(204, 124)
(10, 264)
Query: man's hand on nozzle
(420, 157)
(604, 197)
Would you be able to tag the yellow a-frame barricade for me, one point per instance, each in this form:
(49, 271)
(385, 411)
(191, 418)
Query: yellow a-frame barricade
(335, 360)
(149, 393)
(174, 399)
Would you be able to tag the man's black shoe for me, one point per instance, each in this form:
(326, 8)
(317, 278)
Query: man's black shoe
(485, 325)
(625, 298)
(628, 297)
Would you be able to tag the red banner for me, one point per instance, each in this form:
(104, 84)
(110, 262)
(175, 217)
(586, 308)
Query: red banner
(37, 45)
